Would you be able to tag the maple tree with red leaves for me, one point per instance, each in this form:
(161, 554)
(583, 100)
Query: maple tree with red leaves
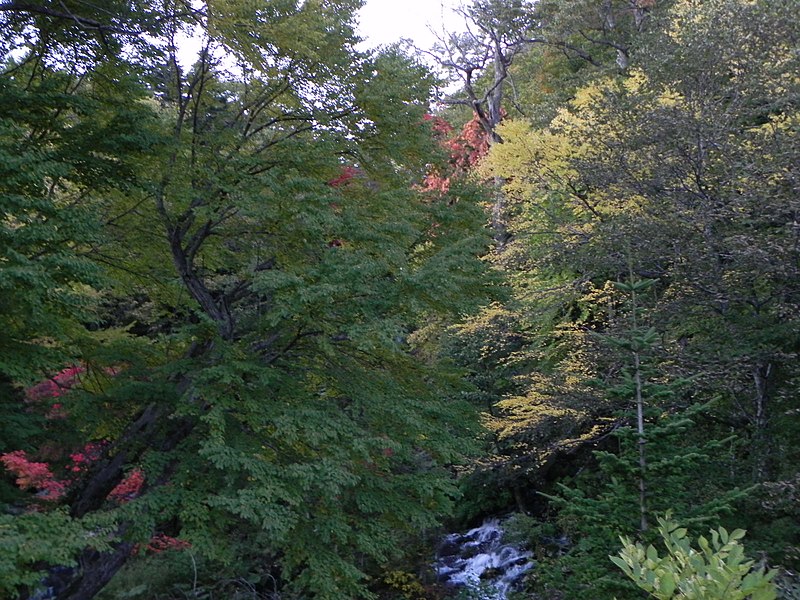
(469, 146)
(82, 459)
(464, 150)
(33, 475)
(441, 127)
(58, 385)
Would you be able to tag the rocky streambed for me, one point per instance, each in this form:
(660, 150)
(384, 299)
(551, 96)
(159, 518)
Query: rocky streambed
(480, 560)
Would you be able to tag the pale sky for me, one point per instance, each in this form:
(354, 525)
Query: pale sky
(386, 21)
(383, 22)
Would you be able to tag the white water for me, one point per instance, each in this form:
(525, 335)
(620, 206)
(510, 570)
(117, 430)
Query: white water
(480, 560)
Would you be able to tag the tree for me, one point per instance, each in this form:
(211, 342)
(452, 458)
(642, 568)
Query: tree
(656, 172)
(590, 31)
(622, 167)
(263, 262)
(495, 35)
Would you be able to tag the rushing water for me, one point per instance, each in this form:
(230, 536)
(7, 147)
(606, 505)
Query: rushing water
(479, 559)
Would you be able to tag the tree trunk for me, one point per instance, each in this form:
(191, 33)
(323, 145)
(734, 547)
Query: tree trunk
(641, 442)
(95, 571)
(761, 375)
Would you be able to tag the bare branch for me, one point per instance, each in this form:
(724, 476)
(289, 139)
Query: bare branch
(83, 22)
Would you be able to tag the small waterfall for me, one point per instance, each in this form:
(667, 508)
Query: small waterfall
(480, 560)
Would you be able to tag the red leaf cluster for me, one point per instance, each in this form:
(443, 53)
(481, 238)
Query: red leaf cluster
(441, 128)
(129, 488)
(345, 177)
(83, 459)
(465, 150)
(469, 146)
(33, 475)
(161, 542)
(56, 385)
(37, 475)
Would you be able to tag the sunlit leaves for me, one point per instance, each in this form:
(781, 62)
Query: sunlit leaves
(719, 570)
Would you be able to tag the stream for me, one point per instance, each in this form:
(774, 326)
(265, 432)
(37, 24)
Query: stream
(479, 559)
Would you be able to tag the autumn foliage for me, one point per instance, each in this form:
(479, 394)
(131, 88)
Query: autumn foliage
(57, 385)
(37, 476)
(129, 488)
(346, 176)
(464, 151)
(33, 475)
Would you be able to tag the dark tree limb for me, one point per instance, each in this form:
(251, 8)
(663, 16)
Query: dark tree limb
(66, 15)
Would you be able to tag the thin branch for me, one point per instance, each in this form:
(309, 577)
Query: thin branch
(83, 22)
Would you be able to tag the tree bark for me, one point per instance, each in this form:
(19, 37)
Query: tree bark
(641, 441)
(96, 570)
(761, 376)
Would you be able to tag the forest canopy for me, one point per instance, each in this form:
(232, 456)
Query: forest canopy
(271, 318)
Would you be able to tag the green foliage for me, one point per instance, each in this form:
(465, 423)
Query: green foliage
(174, 574)
(405, 585)
(719, 570)
(261, 296)
(603, 504)
(668, 174)
(29, 542)
(392, 94)
(57, 140)
(239, 262)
